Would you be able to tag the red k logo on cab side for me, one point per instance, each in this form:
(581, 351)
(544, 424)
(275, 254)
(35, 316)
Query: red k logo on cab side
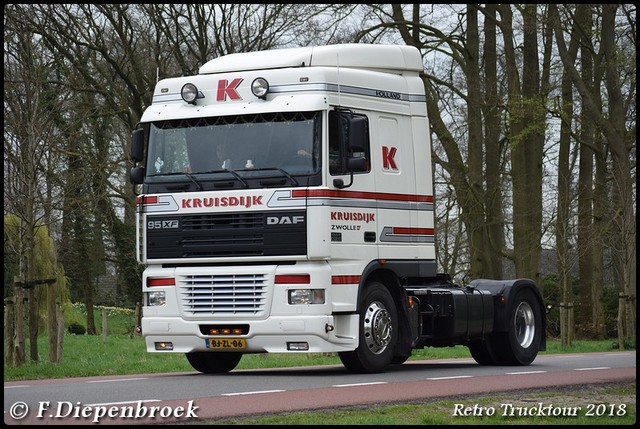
(388, 155)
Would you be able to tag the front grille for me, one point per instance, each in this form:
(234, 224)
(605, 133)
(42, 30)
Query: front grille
(223, 295)
(269, 233)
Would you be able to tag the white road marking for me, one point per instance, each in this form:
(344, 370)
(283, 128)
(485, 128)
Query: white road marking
(360, 384)
(121, 403)
(252, 393)
(450, 378)
(591, 369)
(119, 379)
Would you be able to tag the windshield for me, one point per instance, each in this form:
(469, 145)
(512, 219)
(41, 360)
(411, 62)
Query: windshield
(243, 146)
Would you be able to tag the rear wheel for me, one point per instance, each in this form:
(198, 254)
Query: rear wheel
(482, 353)
(212, 362)
(522, 340)
(520, 344)
(378, 332)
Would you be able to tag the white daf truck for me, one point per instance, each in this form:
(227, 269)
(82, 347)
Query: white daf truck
(286, 206)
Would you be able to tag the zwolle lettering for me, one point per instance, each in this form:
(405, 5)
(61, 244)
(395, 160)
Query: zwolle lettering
(228, 90)
(345, 227)
(194, 203)
(356, 217)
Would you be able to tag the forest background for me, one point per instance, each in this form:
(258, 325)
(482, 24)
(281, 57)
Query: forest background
(532, 112)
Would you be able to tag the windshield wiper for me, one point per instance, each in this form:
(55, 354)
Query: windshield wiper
(287, 175)
(193, 179)
(180, 173)
(224, 170)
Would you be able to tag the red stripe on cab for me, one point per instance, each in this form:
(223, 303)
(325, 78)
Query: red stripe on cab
(288, 279)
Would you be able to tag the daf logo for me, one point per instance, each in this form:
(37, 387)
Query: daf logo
(284, 220)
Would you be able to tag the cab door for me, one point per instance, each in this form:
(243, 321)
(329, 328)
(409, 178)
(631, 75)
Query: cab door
(353, 217)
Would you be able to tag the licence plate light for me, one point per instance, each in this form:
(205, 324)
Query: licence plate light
(301, 346)
(164, 346)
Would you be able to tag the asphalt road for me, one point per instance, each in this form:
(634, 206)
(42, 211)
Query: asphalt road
(191, 396)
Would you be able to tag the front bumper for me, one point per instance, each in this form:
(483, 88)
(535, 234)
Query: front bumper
(333, 333)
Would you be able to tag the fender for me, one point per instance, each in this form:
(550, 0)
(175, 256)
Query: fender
(504, 292)
(388, 274)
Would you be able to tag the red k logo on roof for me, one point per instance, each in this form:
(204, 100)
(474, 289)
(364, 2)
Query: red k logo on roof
(226, 89)
(388, 161)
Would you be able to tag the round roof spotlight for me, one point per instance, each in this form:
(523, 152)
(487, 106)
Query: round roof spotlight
(189, 93)
(260, 87)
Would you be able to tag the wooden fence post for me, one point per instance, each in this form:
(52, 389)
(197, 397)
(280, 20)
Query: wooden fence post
(60, 336)
(19, 354)
(104, 325)
(570, 325)
(621, 313)
(52, 323)
(563, 325)
(137, 329)
(9, 330)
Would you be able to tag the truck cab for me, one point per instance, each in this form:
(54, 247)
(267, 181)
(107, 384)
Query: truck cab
(286, 206)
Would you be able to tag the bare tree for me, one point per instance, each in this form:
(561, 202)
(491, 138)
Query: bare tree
(28, 97)
(611, 119)
(566, 111)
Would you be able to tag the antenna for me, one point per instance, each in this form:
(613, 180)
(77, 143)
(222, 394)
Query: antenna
(338, 72)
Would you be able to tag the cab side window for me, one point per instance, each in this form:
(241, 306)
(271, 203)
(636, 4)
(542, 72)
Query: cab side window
(348, 139)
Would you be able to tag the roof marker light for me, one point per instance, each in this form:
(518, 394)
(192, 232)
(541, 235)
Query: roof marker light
(189, 93)
(260, 87)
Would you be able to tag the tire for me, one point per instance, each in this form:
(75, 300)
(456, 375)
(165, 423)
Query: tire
(212, 362)
(525, 332)
(399, 360)
(518, 346)
(482, 353)
(378, 332)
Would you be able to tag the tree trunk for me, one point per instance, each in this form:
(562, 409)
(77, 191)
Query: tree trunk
(493, 155)
(564, 197)
(526, 140)
(475, 219)
(620, 142)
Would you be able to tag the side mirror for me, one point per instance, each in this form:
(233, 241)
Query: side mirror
(137, 145)
(357, 133)
(136, 175)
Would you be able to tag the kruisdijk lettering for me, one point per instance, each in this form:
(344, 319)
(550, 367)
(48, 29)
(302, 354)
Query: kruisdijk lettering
(249, 201)
(355, 217)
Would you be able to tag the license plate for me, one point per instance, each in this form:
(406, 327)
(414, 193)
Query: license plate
(226, 343)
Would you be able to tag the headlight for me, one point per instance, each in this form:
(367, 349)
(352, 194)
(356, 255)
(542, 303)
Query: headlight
(156, 299)
(306, 296)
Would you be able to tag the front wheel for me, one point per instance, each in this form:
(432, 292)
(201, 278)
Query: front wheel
(212, 362)
(378, 332)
